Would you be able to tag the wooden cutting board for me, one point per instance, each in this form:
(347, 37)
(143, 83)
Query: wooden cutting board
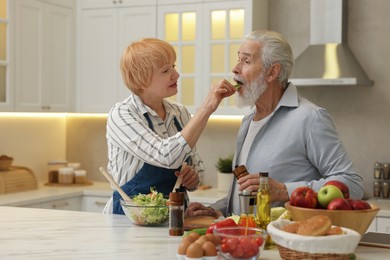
(198, 222)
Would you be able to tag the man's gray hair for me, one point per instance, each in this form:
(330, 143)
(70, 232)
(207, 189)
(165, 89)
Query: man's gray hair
(275, 49)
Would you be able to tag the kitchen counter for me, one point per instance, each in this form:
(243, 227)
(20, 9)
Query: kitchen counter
(56, 234)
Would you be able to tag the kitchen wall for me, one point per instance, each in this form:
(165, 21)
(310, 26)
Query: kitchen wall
(361, 114)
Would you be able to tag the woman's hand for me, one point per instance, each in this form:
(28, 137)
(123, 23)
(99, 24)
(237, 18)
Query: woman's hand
(196, 209)
(190, 177)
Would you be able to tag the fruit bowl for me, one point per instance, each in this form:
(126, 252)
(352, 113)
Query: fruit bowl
(145, 215)
(240, 242)
(294, 246)
(358, 220)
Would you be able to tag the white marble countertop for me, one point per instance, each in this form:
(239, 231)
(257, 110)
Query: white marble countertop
(55, 234)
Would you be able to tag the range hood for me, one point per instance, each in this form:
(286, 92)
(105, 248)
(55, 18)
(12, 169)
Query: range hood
(328, 60)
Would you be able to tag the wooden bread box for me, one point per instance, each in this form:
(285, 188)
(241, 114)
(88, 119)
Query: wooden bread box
(17, 179)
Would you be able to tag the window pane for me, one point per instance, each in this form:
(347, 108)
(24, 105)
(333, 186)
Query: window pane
(3, 9)
(188, 59)
(189, 26)
(218, 25)
(3, 41)
(236, 23)
(188, 90)
(218, 58)
(2, 83)
(172, 27)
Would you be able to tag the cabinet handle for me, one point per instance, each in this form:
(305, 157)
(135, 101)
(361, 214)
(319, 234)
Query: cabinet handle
(100, 203)
(114, 2)
(58, 206)
(120, 1)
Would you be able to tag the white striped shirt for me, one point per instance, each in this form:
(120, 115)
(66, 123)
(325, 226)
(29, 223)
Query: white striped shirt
(131, 142)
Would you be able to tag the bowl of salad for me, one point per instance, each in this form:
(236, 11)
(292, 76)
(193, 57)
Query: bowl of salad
(147, 209)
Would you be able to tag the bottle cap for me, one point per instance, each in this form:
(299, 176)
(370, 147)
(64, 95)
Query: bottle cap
(176, 197)
(263, 174)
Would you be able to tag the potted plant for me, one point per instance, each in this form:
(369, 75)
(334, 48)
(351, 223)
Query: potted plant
(225, 173)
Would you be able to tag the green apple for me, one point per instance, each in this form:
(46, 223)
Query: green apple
(328, 193)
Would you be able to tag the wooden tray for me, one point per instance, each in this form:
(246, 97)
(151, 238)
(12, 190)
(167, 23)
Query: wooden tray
(198, 222)
(56, 184)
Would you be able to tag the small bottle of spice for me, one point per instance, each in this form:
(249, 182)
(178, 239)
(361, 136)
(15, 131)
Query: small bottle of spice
(176, 213)
(240, 171)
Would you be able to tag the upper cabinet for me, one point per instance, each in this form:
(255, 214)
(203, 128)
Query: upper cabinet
(206, 35)
(44, 55)
(106, 28)
(5, 90)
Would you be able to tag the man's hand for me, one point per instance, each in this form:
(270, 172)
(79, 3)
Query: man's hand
(277, 189)
(196, 209)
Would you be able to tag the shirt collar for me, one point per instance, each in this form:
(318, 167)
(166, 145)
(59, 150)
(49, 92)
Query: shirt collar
(146, 109)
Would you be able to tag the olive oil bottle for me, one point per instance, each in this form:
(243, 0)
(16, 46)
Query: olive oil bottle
(263, 207)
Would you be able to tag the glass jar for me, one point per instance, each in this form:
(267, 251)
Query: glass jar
(378, 168)
(66, 175)
(377, 189)
(52, 169)
(386, 171)
(80, 176)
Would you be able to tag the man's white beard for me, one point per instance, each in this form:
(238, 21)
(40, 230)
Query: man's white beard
(252, 92)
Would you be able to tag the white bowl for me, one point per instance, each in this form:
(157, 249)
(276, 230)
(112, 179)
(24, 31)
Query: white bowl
(331, 244)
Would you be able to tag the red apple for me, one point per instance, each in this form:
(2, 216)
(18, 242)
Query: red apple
(359, 204)
(344, 188)
(303, 197)
(339, 204)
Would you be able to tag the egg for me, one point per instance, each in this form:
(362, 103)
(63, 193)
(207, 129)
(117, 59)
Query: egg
(201, 240)
(209, 249)
(193, 235)
(182, 249)
(213, 238)
(194, 250)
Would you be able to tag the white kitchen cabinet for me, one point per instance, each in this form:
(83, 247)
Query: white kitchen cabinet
(74, 204)
(44, 55)
(106, 28)
(206, 35)
(383, 224)
(94, 203)
(6, 94)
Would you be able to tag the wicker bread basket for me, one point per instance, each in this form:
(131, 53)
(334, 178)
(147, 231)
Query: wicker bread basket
(293, 246)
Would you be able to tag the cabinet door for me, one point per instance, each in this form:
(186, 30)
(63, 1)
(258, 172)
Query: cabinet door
(44, 60)
(73, 204)
(99, 59)
(94, 203)
(182, 26)
(382, 224)
(104, 35)
(6, 103)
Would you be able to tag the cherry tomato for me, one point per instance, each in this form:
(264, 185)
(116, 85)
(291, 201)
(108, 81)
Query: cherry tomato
(259, 241)
(238, 252)
(224, 248)
(232, 243)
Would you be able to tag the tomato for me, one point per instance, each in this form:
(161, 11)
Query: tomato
(232, 243)
(224, 248)
(238, 252)
(228, 222)
(259, 241)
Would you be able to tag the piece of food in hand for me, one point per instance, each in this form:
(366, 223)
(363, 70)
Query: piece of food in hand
(277, 212)
(240, 171)
(237, 86)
